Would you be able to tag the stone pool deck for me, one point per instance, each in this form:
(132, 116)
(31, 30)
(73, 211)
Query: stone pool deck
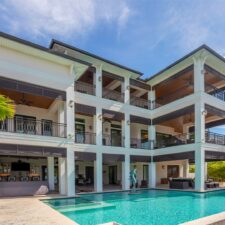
(29, 211)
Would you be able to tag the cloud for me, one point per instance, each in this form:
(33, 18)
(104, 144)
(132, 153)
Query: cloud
(62, 18)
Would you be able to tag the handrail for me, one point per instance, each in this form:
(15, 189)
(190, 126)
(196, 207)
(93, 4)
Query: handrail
(113, 95)
(180, 139)
(140, 102)
(218, 93)
(85, 138)
(138, 143)
(107, 140)
(33, 127)
(214, 138)
(85, 88)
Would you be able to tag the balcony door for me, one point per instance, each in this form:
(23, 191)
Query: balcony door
(112, 174)
(144, 139)
(80, 130)
(116, 137)
(25, 124)
(173, 171)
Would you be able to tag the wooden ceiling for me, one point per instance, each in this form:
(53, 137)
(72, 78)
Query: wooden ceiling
(31, 100)
(178, 86)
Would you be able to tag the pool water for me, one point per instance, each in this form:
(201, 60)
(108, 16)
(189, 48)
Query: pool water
(149, 207)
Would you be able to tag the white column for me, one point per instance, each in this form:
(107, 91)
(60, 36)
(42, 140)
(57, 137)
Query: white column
(152, 135)
(127, 90)
(199, 169)
(126, 127)
(200, 121)
(61, 119)
(98, 173)
(199, 83)
(206, 170)
(152, 175)
(126, 173)
(98, 125)
(151, 98)
(62, 175)
(186, 168)
(51, 180)
(98, 81)
(70, 172)
(70, 112)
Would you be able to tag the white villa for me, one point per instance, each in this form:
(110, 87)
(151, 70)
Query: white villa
(83, 122)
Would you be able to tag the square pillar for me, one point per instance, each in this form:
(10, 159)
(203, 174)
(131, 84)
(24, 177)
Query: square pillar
(51, 176)
(152, 135)
(200, 169)
(98, 81)
(152, 175)
(151, 98)
(126, 130)
(98, 183)
(126, 90)
(61, 120)
(70, 112)
(200, 122)
(70, 172)
(126, 173)
(199, 81)
(62, 175)
(98, 125)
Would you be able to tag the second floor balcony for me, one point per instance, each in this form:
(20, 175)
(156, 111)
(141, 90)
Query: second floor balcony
(84, 87)
(140, 144)
(113, 95)
(140, 102)
(30, 126)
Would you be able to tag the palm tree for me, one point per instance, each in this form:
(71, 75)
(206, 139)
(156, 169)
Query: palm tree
(7, 108)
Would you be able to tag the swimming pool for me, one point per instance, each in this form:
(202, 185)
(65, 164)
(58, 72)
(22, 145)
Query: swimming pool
(149, 207)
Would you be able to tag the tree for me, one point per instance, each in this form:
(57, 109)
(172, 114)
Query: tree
(7, 108)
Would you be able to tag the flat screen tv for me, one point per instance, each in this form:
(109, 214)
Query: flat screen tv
(20, 166)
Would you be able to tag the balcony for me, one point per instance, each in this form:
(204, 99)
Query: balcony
(170, 141)
(85, 88)
(85, 138)
(140, 144)
(214, 138)
(108, 140)
(140, 102)
(113, 95)
(33, 127)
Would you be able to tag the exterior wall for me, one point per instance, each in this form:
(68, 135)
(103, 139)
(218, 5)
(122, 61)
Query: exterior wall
(39, 113)
(25, 67)
(135, 130)
(162, 172)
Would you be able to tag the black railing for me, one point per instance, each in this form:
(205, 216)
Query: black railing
(214, 138)
(108, 140)
(140, 102)
(141, 144)
(84, 88)
(85, 138)
(113, 95)
(33, 127)
(180, 139)
(214, 91)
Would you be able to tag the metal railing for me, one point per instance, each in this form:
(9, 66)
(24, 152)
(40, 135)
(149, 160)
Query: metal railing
(180, 139)
(108, 140)
(85, 138)
(84, 88)
(138, 143)
(113, 95)
(140, 102)
(33, 127)
(214, 138)
(214, 91)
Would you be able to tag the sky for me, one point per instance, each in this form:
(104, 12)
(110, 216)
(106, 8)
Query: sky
(146, 35)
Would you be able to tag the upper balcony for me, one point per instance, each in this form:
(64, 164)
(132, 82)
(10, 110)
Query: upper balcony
(175, 87)
(36, 109)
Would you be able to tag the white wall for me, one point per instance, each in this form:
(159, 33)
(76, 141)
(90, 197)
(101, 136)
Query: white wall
(161, 169)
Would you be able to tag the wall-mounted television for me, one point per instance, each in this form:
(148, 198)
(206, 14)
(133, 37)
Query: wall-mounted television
(20, 166)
